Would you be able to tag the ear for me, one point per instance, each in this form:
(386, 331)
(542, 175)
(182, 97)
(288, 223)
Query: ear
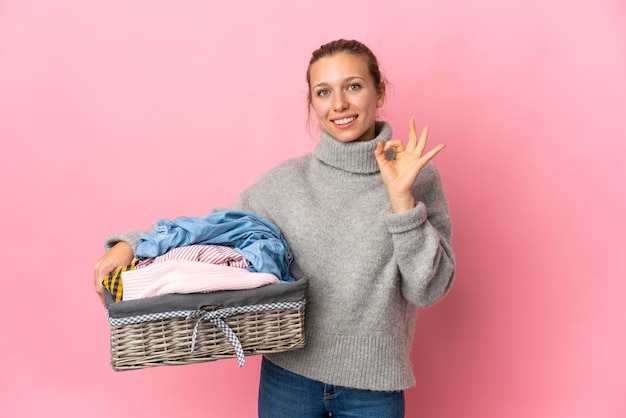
(381, 95)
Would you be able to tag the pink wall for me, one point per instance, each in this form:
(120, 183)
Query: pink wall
(114, 114)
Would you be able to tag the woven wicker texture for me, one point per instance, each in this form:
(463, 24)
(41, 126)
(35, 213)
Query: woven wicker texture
(169, 341)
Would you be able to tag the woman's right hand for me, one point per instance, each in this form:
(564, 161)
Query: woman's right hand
(120, 255)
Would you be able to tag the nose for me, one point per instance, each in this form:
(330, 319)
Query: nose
(340, 102)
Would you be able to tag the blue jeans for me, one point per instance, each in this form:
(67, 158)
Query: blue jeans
(283, 394)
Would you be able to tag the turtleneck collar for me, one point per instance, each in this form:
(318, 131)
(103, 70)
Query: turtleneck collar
(355, 157)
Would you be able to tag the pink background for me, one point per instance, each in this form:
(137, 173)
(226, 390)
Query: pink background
(116, 113)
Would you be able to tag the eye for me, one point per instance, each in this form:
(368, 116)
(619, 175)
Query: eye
(354, 86)
(322, 93)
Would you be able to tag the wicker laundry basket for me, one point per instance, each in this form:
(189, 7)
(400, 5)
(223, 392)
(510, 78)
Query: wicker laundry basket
(186, 329)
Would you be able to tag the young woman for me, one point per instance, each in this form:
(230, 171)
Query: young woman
(367, 222)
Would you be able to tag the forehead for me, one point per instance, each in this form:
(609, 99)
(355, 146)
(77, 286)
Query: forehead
(338, 67)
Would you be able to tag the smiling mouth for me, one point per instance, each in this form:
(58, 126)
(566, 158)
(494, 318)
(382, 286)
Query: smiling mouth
(344, 121)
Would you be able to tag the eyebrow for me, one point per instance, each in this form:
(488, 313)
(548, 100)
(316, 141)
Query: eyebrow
(344, 81)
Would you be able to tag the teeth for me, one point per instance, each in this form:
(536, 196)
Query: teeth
(344, 120)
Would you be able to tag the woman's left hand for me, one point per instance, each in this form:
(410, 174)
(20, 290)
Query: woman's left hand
(400, 174)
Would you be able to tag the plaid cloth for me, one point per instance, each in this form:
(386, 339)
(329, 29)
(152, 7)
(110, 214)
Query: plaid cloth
(113, 282)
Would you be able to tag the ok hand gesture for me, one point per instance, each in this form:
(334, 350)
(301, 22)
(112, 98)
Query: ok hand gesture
(400, 174)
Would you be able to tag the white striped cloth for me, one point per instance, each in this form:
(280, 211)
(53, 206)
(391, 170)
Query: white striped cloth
(206, 253)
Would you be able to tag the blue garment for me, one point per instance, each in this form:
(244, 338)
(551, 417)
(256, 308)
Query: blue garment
(283, 394)
(255, 238)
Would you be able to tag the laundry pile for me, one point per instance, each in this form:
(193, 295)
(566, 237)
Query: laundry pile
(226, 250)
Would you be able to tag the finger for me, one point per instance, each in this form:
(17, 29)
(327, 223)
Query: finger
(379, 153)
(100, 273)
(412, 135)
(430, 154)
(100, 289)
(421, 144)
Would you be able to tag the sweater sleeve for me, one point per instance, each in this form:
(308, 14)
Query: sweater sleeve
(421, 242)
(130, 237)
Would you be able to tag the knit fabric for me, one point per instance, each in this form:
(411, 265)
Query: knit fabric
(369, 269)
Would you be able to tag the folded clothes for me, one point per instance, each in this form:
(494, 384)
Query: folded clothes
(214, 254)
(183, 277)
(231, 239)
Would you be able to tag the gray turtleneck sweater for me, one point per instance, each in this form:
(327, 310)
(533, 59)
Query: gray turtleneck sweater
(369, 269)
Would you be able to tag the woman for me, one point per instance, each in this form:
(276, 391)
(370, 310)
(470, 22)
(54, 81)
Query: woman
(371, 232)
